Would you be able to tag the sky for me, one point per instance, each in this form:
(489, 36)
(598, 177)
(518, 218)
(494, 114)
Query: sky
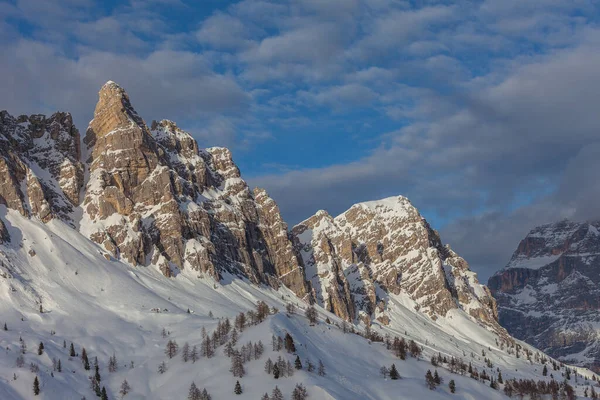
(485, 114)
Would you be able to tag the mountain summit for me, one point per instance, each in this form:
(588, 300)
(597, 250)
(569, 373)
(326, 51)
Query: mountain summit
(549, 294)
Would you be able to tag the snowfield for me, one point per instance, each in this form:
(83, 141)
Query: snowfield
(94, 301)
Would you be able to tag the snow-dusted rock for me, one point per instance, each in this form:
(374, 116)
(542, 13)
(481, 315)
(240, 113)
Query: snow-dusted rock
(381, 248)
(549, 293)
(154, 197)
(40, 165)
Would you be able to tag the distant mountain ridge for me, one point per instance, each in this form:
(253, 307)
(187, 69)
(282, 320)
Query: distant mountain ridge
(549, 293)
(151, 196)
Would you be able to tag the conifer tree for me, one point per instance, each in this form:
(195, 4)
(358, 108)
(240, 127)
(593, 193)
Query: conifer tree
(171, 349)
(125, 388)
(545, 371)
(298, 363)
(185, 352)
(5, 327)
(309, 365)
(452, 386)
(394, 372)
(36, 386)
(276, 394)
(311, 314)
(97, 373)
(429, 380)
(238, 388)
(41, 349)
(194, 392)
(59, 366)
(162, 368)
(265, 397)
(276, 371)
(205, 395)
(299, 392)
(269, 366)
(23, 346)
(113, 365)
(436, 378)
(384, 371)
(84, 360)
(194, 354)
(104, 396)
(500, 380)
(237, 365)
(289, 343)
(64, 344)
(72, 350)
(321, 370)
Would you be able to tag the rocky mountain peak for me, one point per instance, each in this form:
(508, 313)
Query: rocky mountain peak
(39, 164)
(548, 294)
(386, 247)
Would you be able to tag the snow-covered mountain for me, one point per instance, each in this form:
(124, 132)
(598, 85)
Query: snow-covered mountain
(549, 293)
(139, 238)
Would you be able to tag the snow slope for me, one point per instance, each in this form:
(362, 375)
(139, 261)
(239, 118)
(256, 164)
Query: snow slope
(106, 306)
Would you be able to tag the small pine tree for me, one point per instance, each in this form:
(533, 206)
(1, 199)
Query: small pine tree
(194, 393)
(59, 366)
(103, 396)
(36, 386)
(452, 386)
(72, 350)
(194, 354)
(276, 371)
(276, 394)
(384, 371)
(429, 380)
(500, 380)
(238, 388)
(394, 372)
(436, 378)
(299, 392)
(162, 368)
(185, 352)
(298, 363)
(321, 370)
(41, 349)
(85, 360)
(97, 373)
(265, 397)
(311, 314)
(545, 371)
(5, 327)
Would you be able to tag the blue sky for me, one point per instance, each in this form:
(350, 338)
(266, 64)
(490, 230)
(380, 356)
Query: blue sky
(483, 113)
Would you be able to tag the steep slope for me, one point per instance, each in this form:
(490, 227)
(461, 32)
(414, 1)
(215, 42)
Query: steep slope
(109, 307)
(549, 293)
(154, 198)
(383, 249)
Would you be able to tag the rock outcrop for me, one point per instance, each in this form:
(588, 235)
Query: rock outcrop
(40, 165)
(549, 293)
(155, 198)
(380, 248)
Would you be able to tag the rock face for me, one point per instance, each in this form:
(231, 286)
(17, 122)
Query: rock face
(40, 165)
(549, 293)
(357, 259)
(153, 197)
